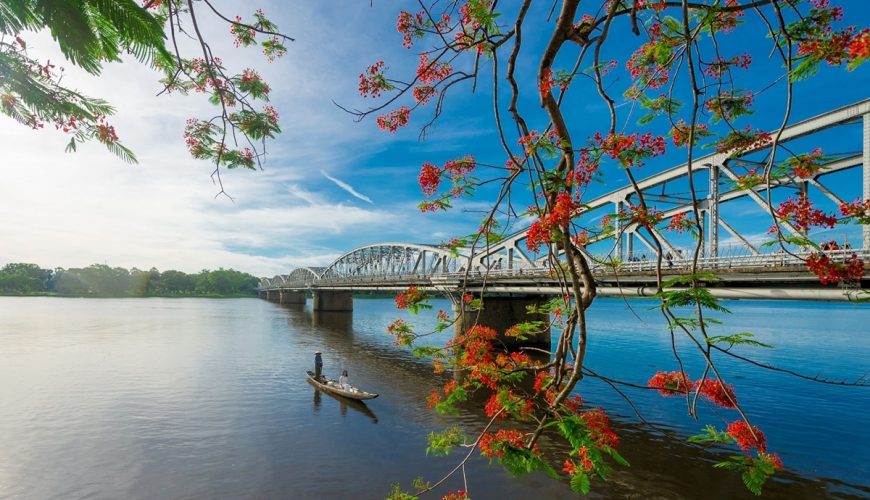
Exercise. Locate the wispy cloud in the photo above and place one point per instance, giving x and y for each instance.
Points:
(347, 187)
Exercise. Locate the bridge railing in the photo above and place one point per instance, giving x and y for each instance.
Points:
(769, 261)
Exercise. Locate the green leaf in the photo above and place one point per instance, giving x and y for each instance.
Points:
(690, 297)
(689, 279)
(441, 444)
(743, 338)
(520, 461)
(712, 436)
(580, 483)
(615, 456)
(574, 431)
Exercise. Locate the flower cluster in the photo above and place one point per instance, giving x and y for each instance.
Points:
(857, 210)
(728, 105)
(456, 170)
(719, 393)
(649, 65)
(430, 73)
(641, 215)
(402, 332)
(106, 133)
(534, 142)
(680, 133)
(833, 47)
(410, 26)
(456, 495)
(394, 120)
(829, 271)
(670, 383)
(859, 47)
(409, 298)
(540, 232)
(725, 21)
(747, 437)
(545, 83)
(372, 82)
(800, 213)
(630, 150)
(719, 66)
(423, 93)
(585, 170)
(494, 445)
(750, 179)
(598, 425)
(805, 165)
(430, 178)
(679, 223)
(243, 35)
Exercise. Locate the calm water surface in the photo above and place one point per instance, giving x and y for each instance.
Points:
(197, 398)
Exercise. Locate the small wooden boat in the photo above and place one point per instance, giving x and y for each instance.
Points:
(331, 386)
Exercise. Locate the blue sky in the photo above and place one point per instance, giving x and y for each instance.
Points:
(329, 184)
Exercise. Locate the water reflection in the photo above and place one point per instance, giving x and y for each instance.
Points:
(316, 401)
(359, 406)
(178, 398)
(334, 321)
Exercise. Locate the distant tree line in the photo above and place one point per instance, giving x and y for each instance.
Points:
(100, 280)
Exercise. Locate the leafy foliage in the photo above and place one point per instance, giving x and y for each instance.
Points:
(742, 338)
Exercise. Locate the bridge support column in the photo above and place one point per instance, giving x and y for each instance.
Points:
(713, 213)
(866, 190)
(288, 297)
(328, 300)
(617, 231)
(501, 313)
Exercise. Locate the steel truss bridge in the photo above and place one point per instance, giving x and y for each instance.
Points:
(747, 269)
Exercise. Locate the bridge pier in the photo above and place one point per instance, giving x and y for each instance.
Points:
(501, 313)
(330, 300)
(288, 297)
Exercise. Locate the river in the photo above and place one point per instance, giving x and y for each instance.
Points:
(204, 398)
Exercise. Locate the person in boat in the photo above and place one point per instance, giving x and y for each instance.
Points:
(343, 381)
(318, 365)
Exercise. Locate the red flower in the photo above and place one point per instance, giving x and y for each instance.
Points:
(493, 406)
(670, 383)
(429, 73)
(373, 81)
(829, 271)
(430, 178)
(545, 84)
(630, 150)
(434, 399)
(455, 495)
(860, 211)
(747, 437)
(717, 392)
(411, 297)
(598, 425)
(801, 214)
(679, 223)
(423, 93)
(859, 47)
(393, 120)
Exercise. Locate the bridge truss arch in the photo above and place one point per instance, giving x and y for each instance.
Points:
(394, 260)
(277, 281)
(303, 277)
